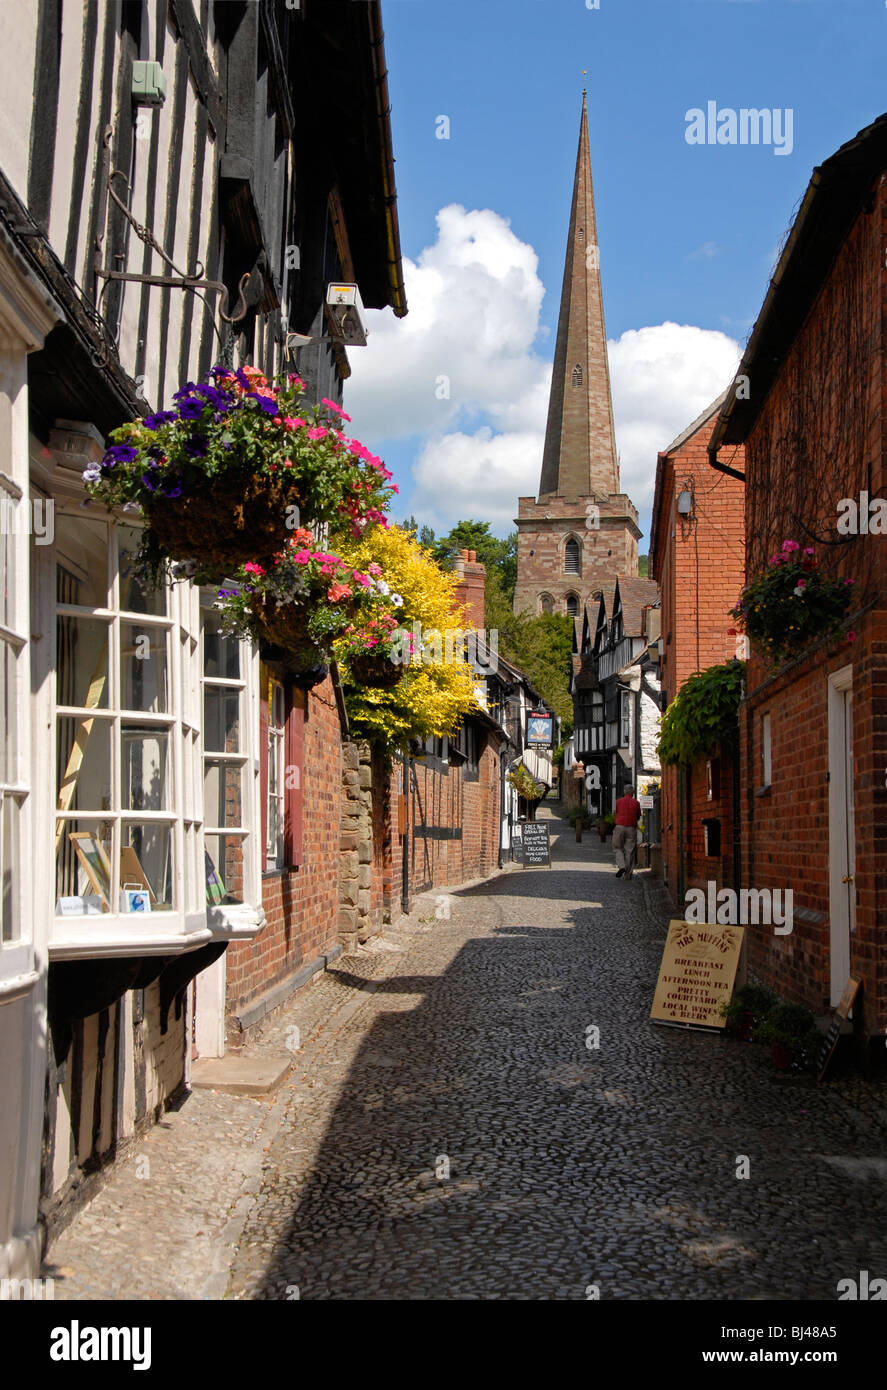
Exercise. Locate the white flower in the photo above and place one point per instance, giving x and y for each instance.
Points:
(382, 587)
(131, 507)
(395, 599)
(92, 473)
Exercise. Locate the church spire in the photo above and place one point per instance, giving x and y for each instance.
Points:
(579, 458)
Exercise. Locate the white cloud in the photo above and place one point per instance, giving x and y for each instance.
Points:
(475, 298)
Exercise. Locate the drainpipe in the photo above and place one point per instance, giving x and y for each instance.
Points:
(405, 846)
(682, 802)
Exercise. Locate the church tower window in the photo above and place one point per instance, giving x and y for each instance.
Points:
(572, 557)
(577, 375)
(572, 605)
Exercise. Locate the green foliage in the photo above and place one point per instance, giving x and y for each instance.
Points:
(525, 785)
(542, 647)
(498, 555)
(643, 567)
(704, 713)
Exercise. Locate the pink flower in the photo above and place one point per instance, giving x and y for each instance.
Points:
(374, 569)
(788, 546)
(809, 550)
(849, 581)
(295, 380)
(361, 579)
(302, 557)
(253, 568)
(851, 636)
(293, 422)
(317, 432)
(331, 405)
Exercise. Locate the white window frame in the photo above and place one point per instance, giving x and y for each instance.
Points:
(625, 719)
(184, 925)
(231, 921)
(17, 952)
(766, 751)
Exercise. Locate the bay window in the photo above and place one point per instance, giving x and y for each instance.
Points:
(155, 766)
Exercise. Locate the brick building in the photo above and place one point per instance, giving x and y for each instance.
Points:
(582, 530)
(813, 731)
(697, 556)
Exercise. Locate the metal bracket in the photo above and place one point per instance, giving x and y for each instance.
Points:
(195, 280)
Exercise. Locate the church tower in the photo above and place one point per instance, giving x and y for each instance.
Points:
(582, 530)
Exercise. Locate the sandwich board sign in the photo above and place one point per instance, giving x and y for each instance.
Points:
(697, 974)
(536, 847)
(842, 1012)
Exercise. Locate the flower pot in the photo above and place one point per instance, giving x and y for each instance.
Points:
(222, 522)
(295, 668)
(374, 669)
(746, 1027)
(579, 832)
(781, 1056)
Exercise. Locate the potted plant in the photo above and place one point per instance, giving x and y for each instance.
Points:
(376, 651)
(605, 825)
(225, 476)
(792, 603)
(791, 1031)
(748, 1009)
(578, 817)
(526, 787)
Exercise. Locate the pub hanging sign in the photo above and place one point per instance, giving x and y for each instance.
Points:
(539, 729)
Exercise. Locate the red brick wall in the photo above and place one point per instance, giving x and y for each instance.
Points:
(700, 569)
(301, 905)
(820, 438)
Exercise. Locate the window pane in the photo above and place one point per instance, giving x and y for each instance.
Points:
(145, 762)
(81, 662)
(221, 655)
(274, 853)
(223, 794)
(143, 656)
(81, 547)
(83, 764)
(146, 861)
(224, 869)
(135, 597)
(7, 575)
(221, 720)
(10, 869)
(8, 740)
(83, 868)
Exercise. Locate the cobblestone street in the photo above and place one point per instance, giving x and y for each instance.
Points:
(446, 1132)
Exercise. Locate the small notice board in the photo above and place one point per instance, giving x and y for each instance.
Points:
(842, 1013)
(697, 974)
(536, 847)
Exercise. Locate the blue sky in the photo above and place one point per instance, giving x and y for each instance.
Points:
(688, 233)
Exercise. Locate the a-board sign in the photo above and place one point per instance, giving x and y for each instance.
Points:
(841, 1014)
(697, 973)
(647, 802)
(536, 849)
(517, 844)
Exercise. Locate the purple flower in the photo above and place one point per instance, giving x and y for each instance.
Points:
(185, 390)
(162, 417)
(191, 409)
(175, 491)
(119, 453)
(269, 407)
(150, 483)
(197, 446)
(213, 396)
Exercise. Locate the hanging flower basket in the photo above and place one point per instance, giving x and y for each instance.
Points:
(298, 605)
(227, 474)
(792, 604)
(374, 669)
(376, 651)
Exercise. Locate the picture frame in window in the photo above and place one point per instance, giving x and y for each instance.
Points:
(94, 861)
(216, 892)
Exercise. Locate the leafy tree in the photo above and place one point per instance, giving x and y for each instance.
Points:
(542, 647)
(496, 554)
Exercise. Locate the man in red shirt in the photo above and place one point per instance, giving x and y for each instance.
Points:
(625, 832)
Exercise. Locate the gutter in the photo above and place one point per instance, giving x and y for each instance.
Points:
(397, 288)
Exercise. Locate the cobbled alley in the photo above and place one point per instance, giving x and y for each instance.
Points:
(450, 1130)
